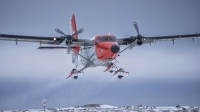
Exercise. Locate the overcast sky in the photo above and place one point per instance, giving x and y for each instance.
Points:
(162, 74)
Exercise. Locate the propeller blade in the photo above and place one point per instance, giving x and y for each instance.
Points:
(60, 32)
(78, 32)
(136, 27)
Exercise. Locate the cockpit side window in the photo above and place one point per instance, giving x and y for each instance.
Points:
(113, 39)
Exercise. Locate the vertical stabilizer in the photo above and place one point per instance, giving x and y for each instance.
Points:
(73, 26)
(76, 48)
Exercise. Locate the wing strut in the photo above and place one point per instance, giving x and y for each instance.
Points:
(16, 41)
(80, 55)
(125, 49)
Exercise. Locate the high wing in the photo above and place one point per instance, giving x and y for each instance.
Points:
(172, 38)
(139, 39)
(45, 40)
(134, 41)
(38, 39)
(147, 40)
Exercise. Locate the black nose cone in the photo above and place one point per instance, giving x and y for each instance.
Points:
(114, 49)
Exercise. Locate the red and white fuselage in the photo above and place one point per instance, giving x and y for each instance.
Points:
(104, 51)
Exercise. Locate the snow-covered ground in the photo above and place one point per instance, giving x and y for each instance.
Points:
(109, 108)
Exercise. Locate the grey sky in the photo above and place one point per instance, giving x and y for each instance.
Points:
(163, 74)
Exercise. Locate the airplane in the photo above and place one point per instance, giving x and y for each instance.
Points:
(101, 50)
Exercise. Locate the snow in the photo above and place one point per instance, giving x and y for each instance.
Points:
(109, 108)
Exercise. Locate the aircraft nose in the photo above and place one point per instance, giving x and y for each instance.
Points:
(114, 48)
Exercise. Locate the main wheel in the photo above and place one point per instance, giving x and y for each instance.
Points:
(120, 76)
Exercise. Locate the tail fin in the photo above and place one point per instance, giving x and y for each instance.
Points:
(76, 48)
(73, 26)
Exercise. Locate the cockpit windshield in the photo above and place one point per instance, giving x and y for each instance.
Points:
(104, 39)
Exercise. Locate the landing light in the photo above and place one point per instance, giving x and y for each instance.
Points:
(54, 38)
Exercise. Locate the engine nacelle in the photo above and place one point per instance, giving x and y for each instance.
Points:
(132, 39)
(139, 39)
(70, 42)
(69, 39)
(139, 43)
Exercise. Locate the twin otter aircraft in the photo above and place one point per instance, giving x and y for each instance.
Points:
(101, 50)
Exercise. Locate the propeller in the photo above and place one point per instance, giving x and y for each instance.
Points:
(78, 32)
(136, 27)
(59, 31)
(139, 37)
(69, 38)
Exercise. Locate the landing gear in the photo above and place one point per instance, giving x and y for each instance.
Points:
(75, 74)
(75, 77)
(111, 71)
(120, 76)
(119, 72)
